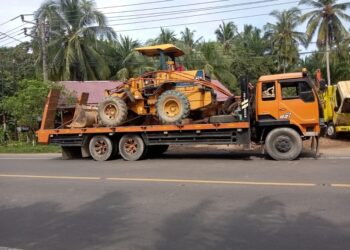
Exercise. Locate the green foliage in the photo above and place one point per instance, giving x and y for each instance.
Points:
(284, 38)
(22, 147)
(76, 27)
(225, 34)
(4, 136)
(28, 102)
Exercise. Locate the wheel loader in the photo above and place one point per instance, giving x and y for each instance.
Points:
(170, 95)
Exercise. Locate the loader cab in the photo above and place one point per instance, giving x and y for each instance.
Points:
(288, 100)
(163, 51)
(168, 53)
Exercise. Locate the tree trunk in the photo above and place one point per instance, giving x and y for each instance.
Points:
(44, 50)
(327, 59)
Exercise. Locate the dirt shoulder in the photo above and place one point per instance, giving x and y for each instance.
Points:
(328, 148)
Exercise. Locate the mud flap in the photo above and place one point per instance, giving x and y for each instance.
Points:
(315, 146)
(71, 152)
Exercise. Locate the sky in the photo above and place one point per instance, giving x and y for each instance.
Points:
(142, 19)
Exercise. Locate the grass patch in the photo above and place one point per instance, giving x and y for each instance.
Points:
(21, 147)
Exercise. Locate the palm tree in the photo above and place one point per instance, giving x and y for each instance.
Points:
(75, 29)
(166, 36)
(214, 61)
(131, 63)
(225, 34)
(284, 38)
(326, 20)
(187, 37)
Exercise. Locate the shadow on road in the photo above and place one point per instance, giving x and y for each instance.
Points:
(106, 223)
(44, 226)
(261, 225)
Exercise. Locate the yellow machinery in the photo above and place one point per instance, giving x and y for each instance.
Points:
(171, 94)
(336, 104)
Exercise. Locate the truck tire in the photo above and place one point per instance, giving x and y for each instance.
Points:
(283, 144)
(331, 131)
(132, 147)
(112, 111)
(172, 106)
(101, 148)
(156, 150)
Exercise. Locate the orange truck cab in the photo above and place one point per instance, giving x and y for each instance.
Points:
(285, 104)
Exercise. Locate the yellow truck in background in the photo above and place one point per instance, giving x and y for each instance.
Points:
(336, 105)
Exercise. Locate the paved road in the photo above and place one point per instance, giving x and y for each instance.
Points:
(181, 201)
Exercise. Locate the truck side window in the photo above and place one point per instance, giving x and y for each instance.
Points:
(290, 90)
(306, 93)
(268, 91)
(297, 90)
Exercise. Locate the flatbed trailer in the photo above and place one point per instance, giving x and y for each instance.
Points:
(282, 133)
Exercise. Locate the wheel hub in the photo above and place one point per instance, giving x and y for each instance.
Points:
(330, 130)
(172, 107)
(101, 147)
(111, 111)
(283, 144)
(131, 146)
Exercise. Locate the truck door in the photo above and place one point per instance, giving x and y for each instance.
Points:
(297, 102)
(267, 108)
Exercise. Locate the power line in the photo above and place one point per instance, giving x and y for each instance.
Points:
(198, 22)
(153, 14)
(12, 19)
(205, 14)
(4, 45)
(166, 7)
(16, 28)
(10, 37)
(134, 4)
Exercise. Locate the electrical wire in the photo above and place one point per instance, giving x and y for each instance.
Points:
(153, 14)
(12, 37)
(134, 4)
(198, 22)
(204, 14)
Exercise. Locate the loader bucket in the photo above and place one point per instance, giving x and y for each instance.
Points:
(84, 115)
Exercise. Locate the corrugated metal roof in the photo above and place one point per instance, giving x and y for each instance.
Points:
(95, 89)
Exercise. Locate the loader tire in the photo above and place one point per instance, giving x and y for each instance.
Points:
(283, 144)
(112, 111)
(172, 106)
(227, 104)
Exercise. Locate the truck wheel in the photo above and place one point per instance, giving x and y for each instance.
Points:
(101, 148)
(156, 150)
(132, 147)
(112, 111)
(172, 106)
(283, 144)
(331, 132)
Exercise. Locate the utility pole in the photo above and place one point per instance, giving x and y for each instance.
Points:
(42, 25)
(2, 96)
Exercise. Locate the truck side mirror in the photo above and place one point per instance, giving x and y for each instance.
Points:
(336, 109)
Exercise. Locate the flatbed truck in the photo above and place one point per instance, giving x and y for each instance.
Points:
(278, 113)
